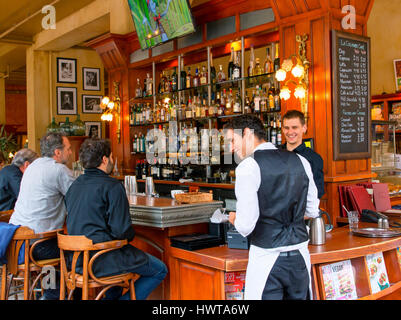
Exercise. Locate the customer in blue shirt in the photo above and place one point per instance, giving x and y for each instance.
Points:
(11, 175)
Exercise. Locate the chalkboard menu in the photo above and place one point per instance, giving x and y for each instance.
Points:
(351, 95)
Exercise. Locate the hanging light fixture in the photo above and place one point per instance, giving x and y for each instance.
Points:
(111, 108)
(298, 65)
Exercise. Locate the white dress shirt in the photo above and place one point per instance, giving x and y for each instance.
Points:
(261, 260)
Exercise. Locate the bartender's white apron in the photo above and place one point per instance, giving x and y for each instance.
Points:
(260, 263)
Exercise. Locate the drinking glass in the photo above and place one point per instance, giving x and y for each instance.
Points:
(353, 220)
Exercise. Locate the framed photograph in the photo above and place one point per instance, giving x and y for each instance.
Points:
(93, 129)
(66, 100)
(66, 70)
(91, 78)
(91, 104)
(397, 73)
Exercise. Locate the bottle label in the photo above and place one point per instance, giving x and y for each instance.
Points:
(237, 107)
(236, 73)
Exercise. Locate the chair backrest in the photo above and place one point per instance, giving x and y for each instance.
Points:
(5, 215)
(24, 235)
(78, 244)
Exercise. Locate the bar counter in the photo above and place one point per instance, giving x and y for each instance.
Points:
(156, 220)
(201, 274)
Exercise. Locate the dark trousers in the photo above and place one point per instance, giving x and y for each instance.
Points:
(288, 279)
(49, 250)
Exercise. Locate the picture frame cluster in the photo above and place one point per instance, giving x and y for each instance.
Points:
(67, 96)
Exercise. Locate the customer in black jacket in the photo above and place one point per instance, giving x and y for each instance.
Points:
(11, 175)
(98, 208)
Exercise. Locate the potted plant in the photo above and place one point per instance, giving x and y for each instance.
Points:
(7, 144)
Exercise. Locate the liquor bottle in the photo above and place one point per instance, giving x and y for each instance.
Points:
(257, 100)
(195, 80)
(149, 85)
(188, 110)
(269, 129)
(138, 114)
(189, 79)
(183, 74)
(268, 65)
(271, 98)
(237, 104)
(258, 69)
(279, 131)
(135, 144)
(145, 88)
(148, 113)
(138, 90)
(274, 133)
(212, 70)
(160, 89)
(221, 76)
(162, 113)
(131, 116)
(231, 65)
(247, 107)
(251, 66)
(203, 77)
(138, 169)
(174, 111)
(174, 80)
(236, 68)
(263, 102)
(167, 84)
(204, 109)
(212, 106)
(198, 107)
(277, 100)
(194, 107)
(229, 102)
(277, 58)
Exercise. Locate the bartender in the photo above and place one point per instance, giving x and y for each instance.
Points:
(294, 127)
(274, 190)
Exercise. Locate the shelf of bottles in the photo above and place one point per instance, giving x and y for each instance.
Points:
(200, 96)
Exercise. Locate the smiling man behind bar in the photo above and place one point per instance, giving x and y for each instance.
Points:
(274, 190)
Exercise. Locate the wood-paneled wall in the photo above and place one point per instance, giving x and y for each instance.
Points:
(292, 17)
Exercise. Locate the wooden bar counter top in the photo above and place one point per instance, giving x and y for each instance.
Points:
(210, 265)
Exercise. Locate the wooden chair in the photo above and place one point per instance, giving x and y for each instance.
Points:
(87, 280)
(5, 215)
(30, 267)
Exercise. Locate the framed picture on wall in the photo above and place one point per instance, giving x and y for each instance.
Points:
(91, 104)
(66, 70)
(93, 129)
(66, 100)
(91, 78)
(397, 73)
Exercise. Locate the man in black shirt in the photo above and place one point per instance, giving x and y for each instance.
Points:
(10, 178)
(293, 128)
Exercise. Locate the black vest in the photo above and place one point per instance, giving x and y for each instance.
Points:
(282, 199)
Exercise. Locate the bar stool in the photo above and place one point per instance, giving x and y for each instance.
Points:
(30, 267)
(87, 280)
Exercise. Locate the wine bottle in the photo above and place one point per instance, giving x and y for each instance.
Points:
(183, 74)
(189, 79)
(174, 80)
(277, 100)
(212, 70)
(251, 66)
(231, 65)
(277, 58)
(257, 101)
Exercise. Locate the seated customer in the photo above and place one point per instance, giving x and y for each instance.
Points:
(10, 178)
(98, 208)
(40, 204)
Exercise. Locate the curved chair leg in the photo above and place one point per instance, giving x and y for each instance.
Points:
(132, 289)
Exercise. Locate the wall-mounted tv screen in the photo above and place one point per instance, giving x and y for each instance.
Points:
(158, 21)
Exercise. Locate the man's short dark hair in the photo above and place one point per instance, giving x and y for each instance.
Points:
(292, 114)
(50, 142)
(250, 122)
(92, 151)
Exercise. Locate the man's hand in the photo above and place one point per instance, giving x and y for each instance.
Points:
(231, 217)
